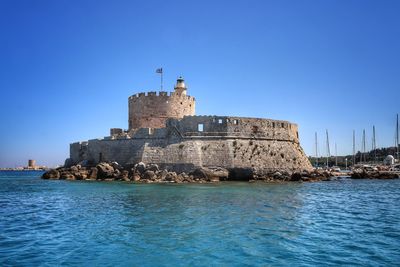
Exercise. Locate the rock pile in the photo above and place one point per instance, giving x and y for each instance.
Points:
(139, 173)
(364, 174)
(151, 173)
(303, 176)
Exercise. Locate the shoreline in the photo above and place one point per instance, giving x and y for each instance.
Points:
(152, 173)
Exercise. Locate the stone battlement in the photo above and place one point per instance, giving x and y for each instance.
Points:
(152, 109)
(159, 94)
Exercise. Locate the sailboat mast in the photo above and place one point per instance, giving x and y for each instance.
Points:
(316, 148)
(374, 142)
(328, 152)
(335, 154)
(363, 146)
(397, 136)
(354, 147)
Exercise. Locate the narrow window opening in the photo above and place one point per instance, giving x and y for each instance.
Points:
(235, 122)
(220, 121)
(200, 127)
(283, 125)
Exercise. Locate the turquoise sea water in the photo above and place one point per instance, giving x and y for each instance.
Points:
(52, 223)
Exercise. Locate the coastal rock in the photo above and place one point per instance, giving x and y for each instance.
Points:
(140, 167)
(171, 176)
(51, 174)
(92, 174)
(149, 175)
(208, 174)
(81, 174)
(136, 177)
(363, 174)
(124, 175)
(296, 176)
(67, 176)
(116, 174)
(116, 166)
(162, 175)
(104, 170)
(153, 168)
(74, 169)
(152, 173)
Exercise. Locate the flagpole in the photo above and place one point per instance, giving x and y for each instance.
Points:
(160, 71)
(162, 79)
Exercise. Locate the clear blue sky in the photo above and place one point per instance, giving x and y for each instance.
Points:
(68, 67)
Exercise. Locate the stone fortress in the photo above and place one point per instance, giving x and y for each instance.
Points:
(164, 130)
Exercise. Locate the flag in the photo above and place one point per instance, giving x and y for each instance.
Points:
(159, 70)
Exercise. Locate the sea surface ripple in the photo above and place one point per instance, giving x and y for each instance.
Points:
(64, 223)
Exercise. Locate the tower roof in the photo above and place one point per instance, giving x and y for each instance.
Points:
(180, 83)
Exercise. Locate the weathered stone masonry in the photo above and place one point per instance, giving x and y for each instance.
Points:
(160, 132)
(151, 110)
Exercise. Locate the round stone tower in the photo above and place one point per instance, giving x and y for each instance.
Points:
(151, 110)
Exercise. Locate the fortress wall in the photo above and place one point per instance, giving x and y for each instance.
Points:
(236, 126)
(225, 142)
(278, 155)
(262, 154)
(78, 151)
(123, 151)
(183, 156)
(152, 110)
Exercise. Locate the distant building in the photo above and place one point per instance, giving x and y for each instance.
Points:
(31, 164)
(389, 160)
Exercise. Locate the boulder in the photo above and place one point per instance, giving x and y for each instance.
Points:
(81, 174)
(124, 175)
(358, 174)
(116, 174)
(388, 175)
(140, 167)
(208, 174)
(74, 168)
(149, 175)
(180, 178)
(136, 177)
(162, 174)
(296, 176)
(67, 176)
(152, 167)
(92, 174)
(51, 174)
(116, 166)
(277, 176)
(104, 170)
(171, 176)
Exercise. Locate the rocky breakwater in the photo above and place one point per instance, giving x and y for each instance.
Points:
(374, 174)
(151, 173)
(139, 173)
